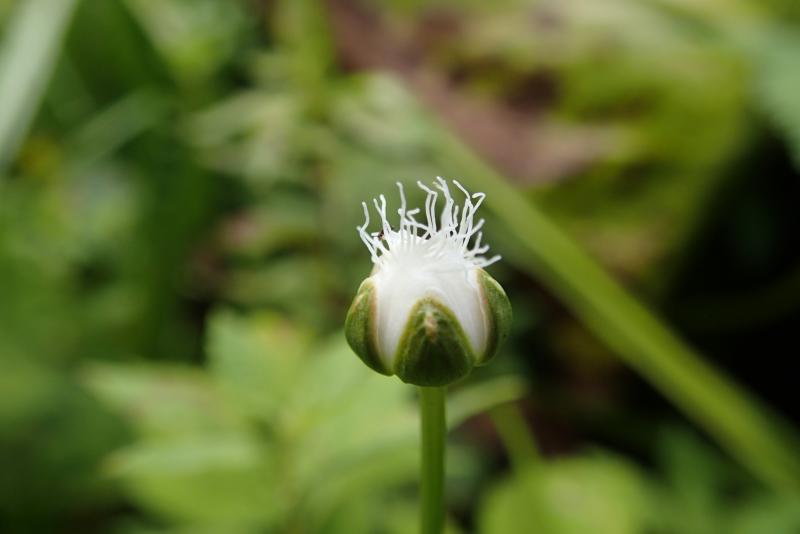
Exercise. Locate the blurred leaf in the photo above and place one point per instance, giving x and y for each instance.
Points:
(702, 495)
(257, 359)
(289, 431)
(373, 110)
(302, 33)
(778, 85)
(288, 284)
(196, 460)
(28, 55)
(165, 400)
(692, 501)
(109, 129)
(174, 457)
(767, 514)
(195, 37)
(286, 222)
(52, 437)
(481, 396)
(256, 135)
(585, 494)
(227, 481)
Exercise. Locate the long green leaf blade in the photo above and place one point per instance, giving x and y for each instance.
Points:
(726, 412)
(27, 58)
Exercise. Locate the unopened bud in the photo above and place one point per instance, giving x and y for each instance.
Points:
(428, 312)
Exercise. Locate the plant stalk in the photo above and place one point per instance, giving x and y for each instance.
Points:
(432, 410)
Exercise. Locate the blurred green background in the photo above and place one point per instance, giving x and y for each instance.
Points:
(180, 182)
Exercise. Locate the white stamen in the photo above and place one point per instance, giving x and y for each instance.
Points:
(444, 242)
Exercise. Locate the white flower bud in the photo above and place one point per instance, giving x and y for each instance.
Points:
(428, 312)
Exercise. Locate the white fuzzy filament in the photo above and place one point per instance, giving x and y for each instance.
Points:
(444, 242)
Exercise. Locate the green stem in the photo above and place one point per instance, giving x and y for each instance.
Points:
(432, 409)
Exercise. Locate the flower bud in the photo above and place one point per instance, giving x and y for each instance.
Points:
(428, 312)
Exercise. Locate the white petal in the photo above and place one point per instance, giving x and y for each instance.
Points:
(400, 286)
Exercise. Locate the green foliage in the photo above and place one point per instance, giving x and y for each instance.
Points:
(27, 58)
(51, 436)
(159, 159)
(593, 493)
(698, 495)
(194, 38)
(779, 83)
(601, 493)
(734, 418)
(694, 493)
(281, 432)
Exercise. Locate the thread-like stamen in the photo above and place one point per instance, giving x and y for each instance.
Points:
(443, 239)
(402, 211)
(430, 205)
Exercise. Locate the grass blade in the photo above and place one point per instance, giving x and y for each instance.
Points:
(727, 413)
(27, 58)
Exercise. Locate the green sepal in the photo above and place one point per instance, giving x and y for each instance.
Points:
(360, 328)
(500, 315)
(433, 350)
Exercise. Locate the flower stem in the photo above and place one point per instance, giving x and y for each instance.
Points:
(432, 408)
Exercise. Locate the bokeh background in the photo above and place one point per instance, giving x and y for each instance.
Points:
(180, 182)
